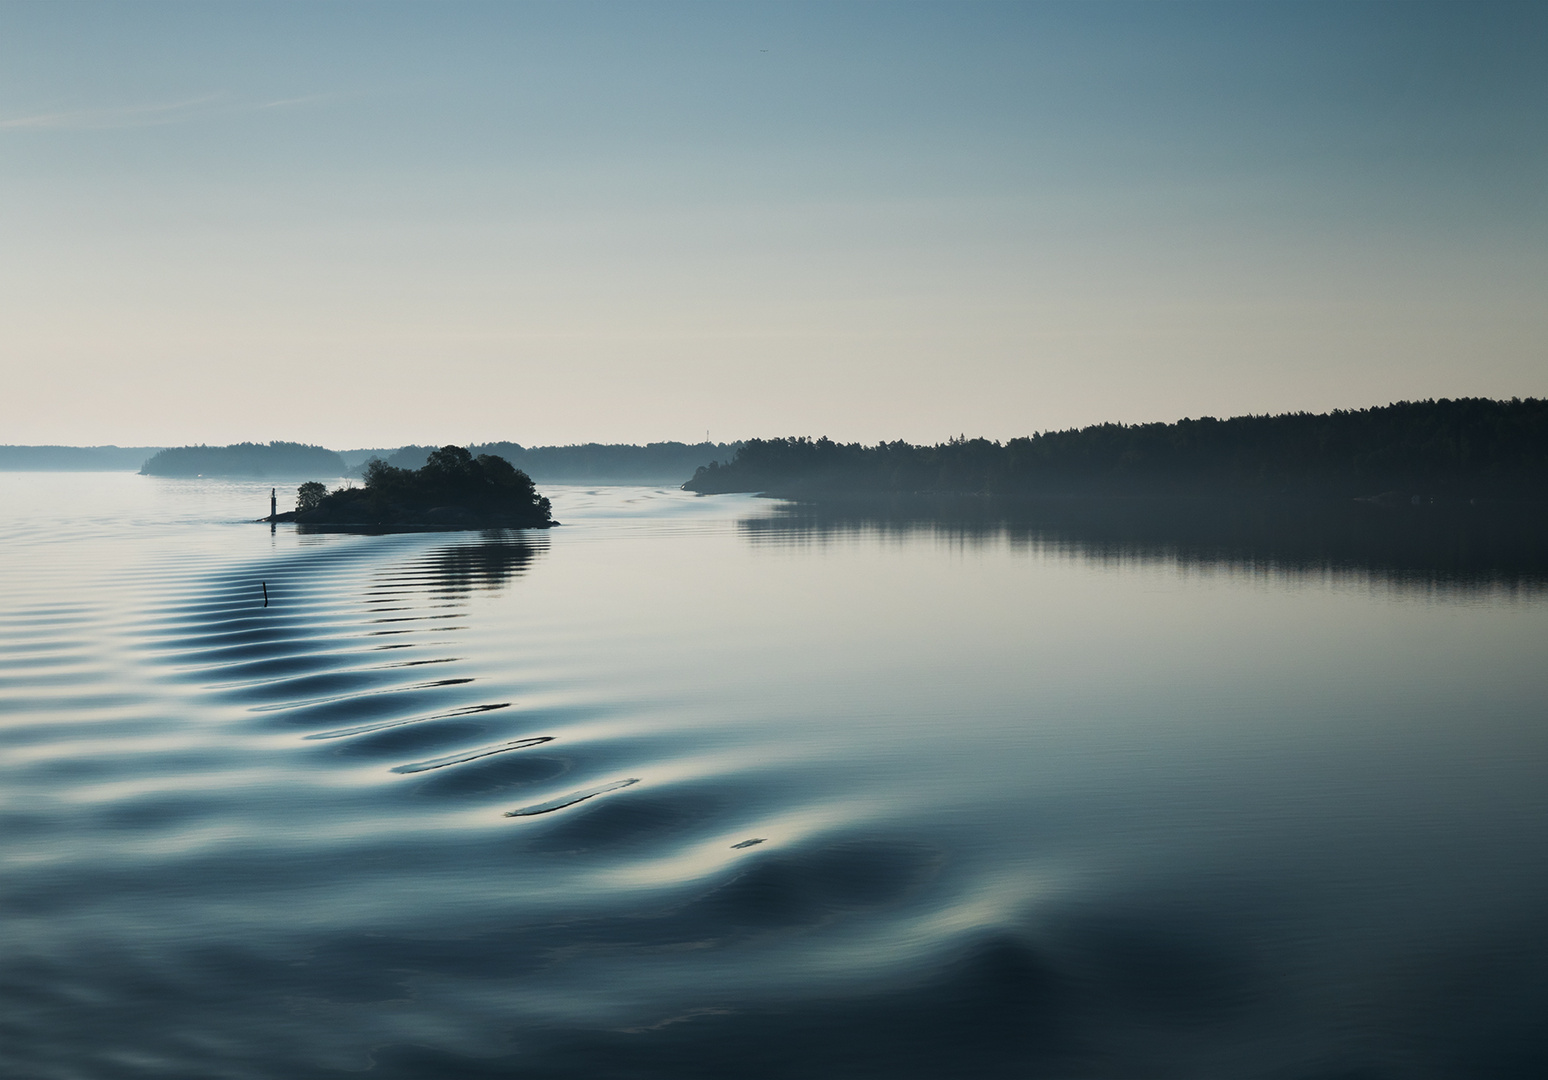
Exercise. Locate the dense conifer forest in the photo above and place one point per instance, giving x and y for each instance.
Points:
(1446, 450)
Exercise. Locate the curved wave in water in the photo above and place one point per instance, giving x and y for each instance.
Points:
(231, 820)
(658, 803)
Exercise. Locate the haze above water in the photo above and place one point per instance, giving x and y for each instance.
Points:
(710, 787)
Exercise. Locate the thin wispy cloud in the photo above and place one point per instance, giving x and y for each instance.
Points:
(129, 116)
(295, 102)
(152, 115)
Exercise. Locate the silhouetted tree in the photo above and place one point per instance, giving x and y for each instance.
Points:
(309, 496)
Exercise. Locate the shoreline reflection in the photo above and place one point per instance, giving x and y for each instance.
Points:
(487, 564)
(1463, 547)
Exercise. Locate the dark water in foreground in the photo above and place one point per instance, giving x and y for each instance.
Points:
(704, 787)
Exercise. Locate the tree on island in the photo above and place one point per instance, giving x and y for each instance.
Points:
(309, 496)
(453, 489)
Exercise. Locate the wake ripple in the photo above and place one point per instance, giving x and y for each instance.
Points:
(289, 642)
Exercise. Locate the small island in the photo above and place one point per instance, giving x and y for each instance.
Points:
(453, 490)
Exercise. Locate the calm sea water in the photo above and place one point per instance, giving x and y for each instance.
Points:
(710, 787)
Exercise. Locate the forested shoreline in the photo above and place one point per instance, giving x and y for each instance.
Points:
(1444, 450)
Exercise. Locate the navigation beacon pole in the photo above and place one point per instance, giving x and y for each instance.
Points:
(273, 504)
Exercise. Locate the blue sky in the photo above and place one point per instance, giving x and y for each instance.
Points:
(373, 224)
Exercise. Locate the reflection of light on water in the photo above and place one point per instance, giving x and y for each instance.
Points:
(1436, 552)
(707, 858)
(979, 782)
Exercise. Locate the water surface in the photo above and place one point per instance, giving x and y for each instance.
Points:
(703, 787)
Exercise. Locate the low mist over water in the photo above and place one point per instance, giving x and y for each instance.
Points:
(724, 786)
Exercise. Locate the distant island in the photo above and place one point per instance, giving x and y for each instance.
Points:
(664, 463)
(452, 490)
(1446, 450)
(74, 458)
(245, 459)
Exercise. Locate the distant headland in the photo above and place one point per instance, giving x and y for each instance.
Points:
(452, 490)
(1409, 452)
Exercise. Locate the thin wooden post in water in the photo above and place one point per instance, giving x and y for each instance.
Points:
(273, 504)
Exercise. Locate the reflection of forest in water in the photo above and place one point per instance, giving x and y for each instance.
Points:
(486, 563)
(1483, 545)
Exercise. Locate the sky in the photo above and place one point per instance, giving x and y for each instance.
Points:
(375, 224)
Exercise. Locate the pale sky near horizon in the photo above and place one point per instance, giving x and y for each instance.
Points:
(373, 224)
